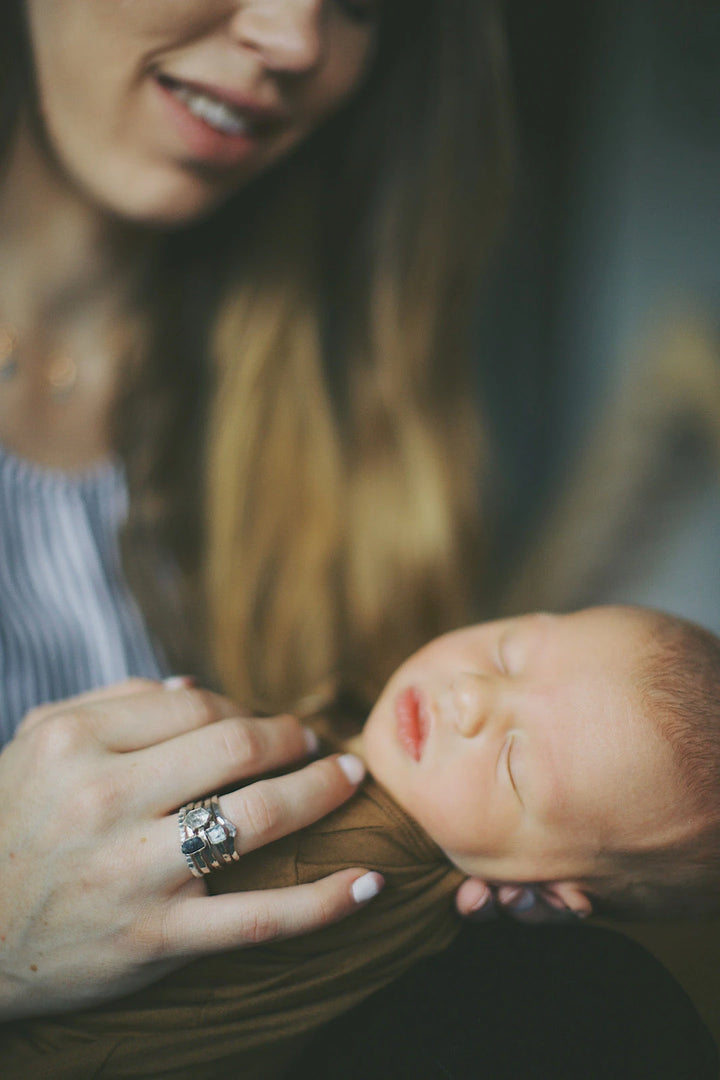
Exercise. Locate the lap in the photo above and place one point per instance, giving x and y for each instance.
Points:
(508, 1001)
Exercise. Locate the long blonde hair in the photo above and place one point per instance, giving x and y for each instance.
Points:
(301, 433)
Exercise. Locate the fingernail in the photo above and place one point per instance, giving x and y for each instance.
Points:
(177, 682)
(524, 901)
(484, 909)
(311, 740)
(353, 768)
(366, 887)
(508, 894)
(483, 902)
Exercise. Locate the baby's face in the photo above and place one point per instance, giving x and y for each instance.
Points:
(522, 748)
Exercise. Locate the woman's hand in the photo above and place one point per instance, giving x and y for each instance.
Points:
(96, 898)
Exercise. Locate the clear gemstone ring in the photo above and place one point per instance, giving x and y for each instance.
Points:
(207, 837)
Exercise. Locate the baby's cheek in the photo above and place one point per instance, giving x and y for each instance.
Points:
(376, 746)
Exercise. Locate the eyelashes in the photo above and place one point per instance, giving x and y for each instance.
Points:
(508, 765)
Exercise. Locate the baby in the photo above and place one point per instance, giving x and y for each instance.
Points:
(579, 753)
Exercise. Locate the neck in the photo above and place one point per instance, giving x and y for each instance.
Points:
(61, 256)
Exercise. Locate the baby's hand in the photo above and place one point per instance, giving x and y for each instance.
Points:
(479, 901)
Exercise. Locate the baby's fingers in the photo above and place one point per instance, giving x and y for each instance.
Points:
(475, 900)
(529, 905)
(479, 901)
(197, 925)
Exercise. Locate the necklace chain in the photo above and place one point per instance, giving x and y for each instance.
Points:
(60, 373)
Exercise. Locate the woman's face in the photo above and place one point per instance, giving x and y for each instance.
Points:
(158, 109)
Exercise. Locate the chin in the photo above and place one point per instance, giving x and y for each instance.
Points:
(372, 741)
(156, 198)
(164, 210)
(382, 756)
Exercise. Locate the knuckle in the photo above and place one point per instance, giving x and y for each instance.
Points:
(60, 736)
(261, 811)
(199, 703)
(31, 718)
(259, 924)
(149, 938)
(96, 802)
(325, 907)
(242, 744)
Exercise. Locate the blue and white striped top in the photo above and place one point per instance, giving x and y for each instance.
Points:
(68, 622)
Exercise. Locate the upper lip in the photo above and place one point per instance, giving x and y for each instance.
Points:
(251, 107)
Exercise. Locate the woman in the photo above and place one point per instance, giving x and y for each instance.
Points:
(227, 258)
(238, 241)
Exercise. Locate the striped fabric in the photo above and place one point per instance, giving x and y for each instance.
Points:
(68, 622)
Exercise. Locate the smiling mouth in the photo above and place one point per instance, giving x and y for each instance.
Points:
(412, 723)
(221, 116)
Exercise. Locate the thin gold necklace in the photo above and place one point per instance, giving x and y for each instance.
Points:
(60, 372)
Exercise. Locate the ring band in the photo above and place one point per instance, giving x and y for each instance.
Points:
(207, 837)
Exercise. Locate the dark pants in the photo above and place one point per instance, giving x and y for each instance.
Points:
(512, 1002)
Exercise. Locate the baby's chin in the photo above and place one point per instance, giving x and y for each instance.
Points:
(370, 741)
(377, 746)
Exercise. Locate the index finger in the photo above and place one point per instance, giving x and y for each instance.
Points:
(138, 721)
(104, 693)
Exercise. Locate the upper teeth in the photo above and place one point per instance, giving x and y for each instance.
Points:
(218, 114)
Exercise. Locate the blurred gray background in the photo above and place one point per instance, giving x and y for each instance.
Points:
(611, 265)
(599, 351)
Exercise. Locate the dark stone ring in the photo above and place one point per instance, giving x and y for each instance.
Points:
(207, 837)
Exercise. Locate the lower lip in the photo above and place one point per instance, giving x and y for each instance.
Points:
(206, 145)
(412, 725)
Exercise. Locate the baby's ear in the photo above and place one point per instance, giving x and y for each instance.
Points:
(567, 896)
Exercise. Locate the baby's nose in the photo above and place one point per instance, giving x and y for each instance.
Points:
(471, 695)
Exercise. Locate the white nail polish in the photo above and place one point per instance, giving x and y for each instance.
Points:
(176, 682)
(311, 741)
(353, 768)
(366, 887)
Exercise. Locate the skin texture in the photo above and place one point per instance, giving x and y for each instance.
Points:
(89, 840)
(109, 126)
(88, 833)
(538, 760)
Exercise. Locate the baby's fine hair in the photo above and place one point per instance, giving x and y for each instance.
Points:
(680, 689)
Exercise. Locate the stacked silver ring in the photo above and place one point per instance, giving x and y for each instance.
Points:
(207, 838)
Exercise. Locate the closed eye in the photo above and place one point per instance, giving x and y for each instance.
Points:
(508, 765)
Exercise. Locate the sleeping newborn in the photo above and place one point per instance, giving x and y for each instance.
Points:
(579, 753)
